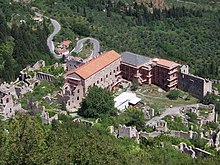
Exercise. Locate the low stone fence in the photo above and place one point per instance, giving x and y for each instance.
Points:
(209, 107)
(193, 152)
(45, 77)
(86, 122)
(181, 134)
(216, 81)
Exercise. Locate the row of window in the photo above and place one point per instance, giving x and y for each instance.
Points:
(106, 76)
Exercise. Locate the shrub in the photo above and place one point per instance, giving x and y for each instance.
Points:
(173, 94)
(192, 116)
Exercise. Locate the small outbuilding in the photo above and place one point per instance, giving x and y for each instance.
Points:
(125, 99)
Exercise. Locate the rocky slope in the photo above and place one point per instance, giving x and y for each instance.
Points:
(159, 4)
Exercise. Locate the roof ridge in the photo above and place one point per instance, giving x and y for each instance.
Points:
(99, 65)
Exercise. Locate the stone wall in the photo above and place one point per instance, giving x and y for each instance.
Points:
(130, 132)
(86, 122)
(187, 135)
(37, 65)
(45, 77)
(196, 86)
(161, 126)
(46, 119)
(7, 106)
(193, 152)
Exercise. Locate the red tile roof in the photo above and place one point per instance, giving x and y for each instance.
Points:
(66, 43)
(60, 51)
(166, 63)
(93, 66)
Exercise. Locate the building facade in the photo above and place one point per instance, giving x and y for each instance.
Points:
(165, 73)
(160, 72)
(135, 67)
(103, 71)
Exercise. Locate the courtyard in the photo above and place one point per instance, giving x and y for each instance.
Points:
(156, 98)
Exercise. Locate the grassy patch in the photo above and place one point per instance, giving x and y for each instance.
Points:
(55, 71)
(216, 87)
(175, 123)
(156, 98)
(86, 51)
(39, 92)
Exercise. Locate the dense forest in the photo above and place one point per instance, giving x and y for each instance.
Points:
(22, 41)
(25, 141)
(184, 33)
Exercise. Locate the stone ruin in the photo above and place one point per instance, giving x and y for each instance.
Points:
(46, 119)
(193, 152)
(196, 86)
(161, 126)
(86, 122)
(214, 139)
(148, 112)
(36, 66)
(211, 115)
(130, 132)
(44, 76)
(8, 106)
(181, 134)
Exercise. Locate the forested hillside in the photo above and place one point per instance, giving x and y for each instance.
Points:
(185, 32)
(22, 41)
(25, 141)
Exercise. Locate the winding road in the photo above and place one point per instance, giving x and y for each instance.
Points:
(50, 43)
(79, 45)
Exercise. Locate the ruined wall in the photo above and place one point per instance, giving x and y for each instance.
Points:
(129, 132)
(45, 77)
(7, 106)
(73, 64)
(196, 86)
(186, 135)
(46, 119)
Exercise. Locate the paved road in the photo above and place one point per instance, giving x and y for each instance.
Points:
(50, 43)
(168, 111)
(79, 45)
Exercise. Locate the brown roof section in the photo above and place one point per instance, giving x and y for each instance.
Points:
(60, 51)
(66, 43)
(166, 63)
(96, 64)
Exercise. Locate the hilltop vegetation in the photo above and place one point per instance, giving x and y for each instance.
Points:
(25, 141)
(22, 41)
(184, 31)
(185, 34)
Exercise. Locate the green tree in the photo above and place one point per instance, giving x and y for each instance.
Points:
(136, 119)
(24, 141)
(97, 103)
(134, 85)
(192, 116)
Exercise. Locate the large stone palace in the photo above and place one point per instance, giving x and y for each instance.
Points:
(110, 68)
(103, 71)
